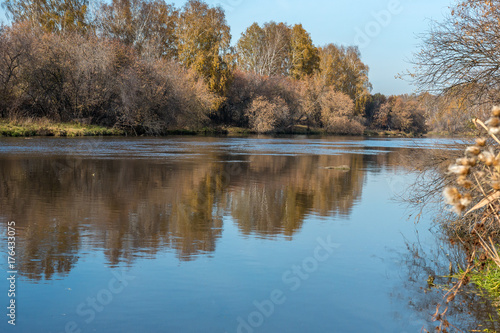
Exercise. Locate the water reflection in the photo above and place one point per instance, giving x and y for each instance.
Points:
(441, 260)
(223, 223)
(64, 206)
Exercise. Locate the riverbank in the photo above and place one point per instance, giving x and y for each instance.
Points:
(26, 128)
(43, 127)
(487, 281)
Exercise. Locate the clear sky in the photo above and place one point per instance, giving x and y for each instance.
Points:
(386, 43)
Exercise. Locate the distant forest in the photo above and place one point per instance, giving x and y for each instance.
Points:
(147, 67)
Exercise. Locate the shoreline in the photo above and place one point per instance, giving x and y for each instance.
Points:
(44, 128)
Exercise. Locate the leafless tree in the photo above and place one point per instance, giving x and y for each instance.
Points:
(460, 55)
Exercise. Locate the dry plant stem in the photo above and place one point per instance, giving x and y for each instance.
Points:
(490, 203)
(450, 295)
(490, 249)
(477, 121)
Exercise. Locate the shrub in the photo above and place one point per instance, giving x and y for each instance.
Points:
(402, 113)
(247, 88)
(66, 77)
(268, 115)
(337, 114)
(345, 126)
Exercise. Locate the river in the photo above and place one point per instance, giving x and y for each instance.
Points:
(204, 234)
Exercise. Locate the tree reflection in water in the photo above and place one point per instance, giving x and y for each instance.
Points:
(131, 208)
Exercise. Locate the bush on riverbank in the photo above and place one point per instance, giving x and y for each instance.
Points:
(474, 196)
(101, 82)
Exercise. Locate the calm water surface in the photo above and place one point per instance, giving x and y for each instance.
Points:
(214, 235)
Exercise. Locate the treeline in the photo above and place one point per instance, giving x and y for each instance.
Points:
(148, 67)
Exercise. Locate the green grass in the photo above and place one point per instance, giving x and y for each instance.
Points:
(20, 128)
(488, 282)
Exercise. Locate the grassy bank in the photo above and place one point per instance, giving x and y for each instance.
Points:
(44, 127)
(487, 280)
(20, 128)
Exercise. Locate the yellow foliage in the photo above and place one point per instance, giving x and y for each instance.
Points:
(204, 44)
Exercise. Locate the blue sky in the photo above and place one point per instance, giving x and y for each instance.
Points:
(387, 45)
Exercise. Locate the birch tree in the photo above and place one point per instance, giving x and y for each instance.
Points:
(147, 25)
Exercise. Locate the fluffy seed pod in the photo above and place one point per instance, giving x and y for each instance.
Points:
(493, 122)
(464, 182)
(494, 130)
(466, 200)
(451, 195)
(496, 111)
(458, 209)
(460, 170)
(481, 142)
(488, 158)
(496, 185)
(473, 150)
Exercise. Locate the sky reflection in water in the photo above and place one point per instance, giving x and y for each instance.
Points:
(203, 234)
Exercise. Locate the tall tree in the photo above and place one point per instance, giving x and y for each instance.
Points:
(250, 50)
(147, 25)
(342, 68)
(304, 55)
(266, 50)
(51, 15)
(460, 54)
(204, 44)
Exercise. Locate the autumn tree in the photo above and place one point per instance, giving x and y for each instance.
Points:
(147, 25)
(447, 113)
(51, 15)
(304, 55)
(311, 92)
(204, 38)
(341, 67)
(250, 50)
(268, 115)
(14, 46)
(72, 77)
(338, 113)
(373, 105)
(277, 49)
(402, 113)
(265, 50)
(460, 54)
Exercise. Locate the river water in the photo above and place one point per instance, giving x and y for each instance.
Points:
(196, 234)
